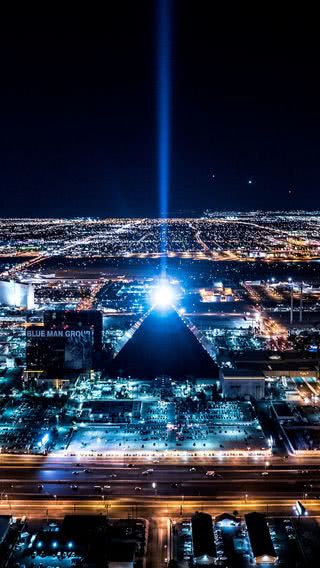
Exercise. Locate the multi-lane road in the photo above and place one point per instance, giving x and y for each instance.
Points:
(28, 477)
(50, 487)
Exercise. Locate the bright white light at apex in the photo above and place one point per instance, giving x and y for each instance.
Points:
(163, 295)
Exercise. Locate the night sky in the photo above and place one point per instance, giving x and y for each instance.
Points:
(78, 112)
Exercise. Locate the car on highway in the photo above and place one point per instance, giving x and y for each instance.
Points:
(73, 486)
(192, 469)
(137, 489)
(113, 475)
(148, 471)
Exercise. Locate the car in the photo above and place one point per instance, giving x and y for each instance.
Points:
(74, 486)
(75, 472)
(137, 489)
(176, 484)
(107, 487)
(130, 464)
(113, 475)
(210, 473)
(40, 486)
(87, 470)
(192, 469)
(264, 473)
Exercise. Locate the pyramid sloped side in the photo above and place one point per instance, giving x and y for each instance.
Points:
(163, 345)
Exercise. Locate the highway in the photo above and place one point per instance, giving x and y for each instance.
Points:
(28, 477)
(43, 487)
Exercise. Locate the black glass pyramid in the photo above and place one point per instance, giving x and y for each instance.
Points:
(163, 345)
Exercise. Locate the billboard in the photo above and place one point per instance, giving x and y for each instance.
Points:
(59, 349)
(68, 339)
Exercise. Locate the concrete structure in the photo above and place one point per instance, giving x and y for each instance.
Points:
(16, 294)
(239, 384)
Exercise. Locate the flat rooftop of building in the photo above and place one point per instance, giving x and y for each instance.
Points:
(278, 366)
(78, 528)
(242, 373)
(102, 406)
(219, 439)
(272, 356)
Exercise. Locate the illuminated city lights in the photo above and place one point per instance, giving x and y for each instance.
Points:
(159, 308)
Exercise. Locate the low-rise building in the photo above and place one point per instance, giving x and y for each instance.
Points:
(204, 550)
(239, 384)
(260, 539)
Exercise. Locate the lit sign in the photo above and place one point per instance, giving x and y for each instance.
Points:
(59, 333)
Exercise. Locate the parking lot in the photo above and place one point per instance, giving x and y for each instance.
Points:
(139, 439)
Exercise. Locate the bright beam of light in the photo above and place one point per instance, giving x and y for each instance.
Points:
(163, 295)
(163, 116)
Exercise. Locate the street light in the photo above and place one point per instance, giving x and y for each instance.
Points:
(181, 506)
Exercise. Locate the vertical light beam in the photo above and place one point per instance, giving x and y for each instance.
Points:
(163, 118)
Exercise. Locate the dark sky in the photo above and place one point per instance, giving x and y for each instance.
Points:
(78, 128)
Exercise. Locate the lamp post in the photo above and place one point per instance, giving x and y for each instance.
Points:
(181, 505)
